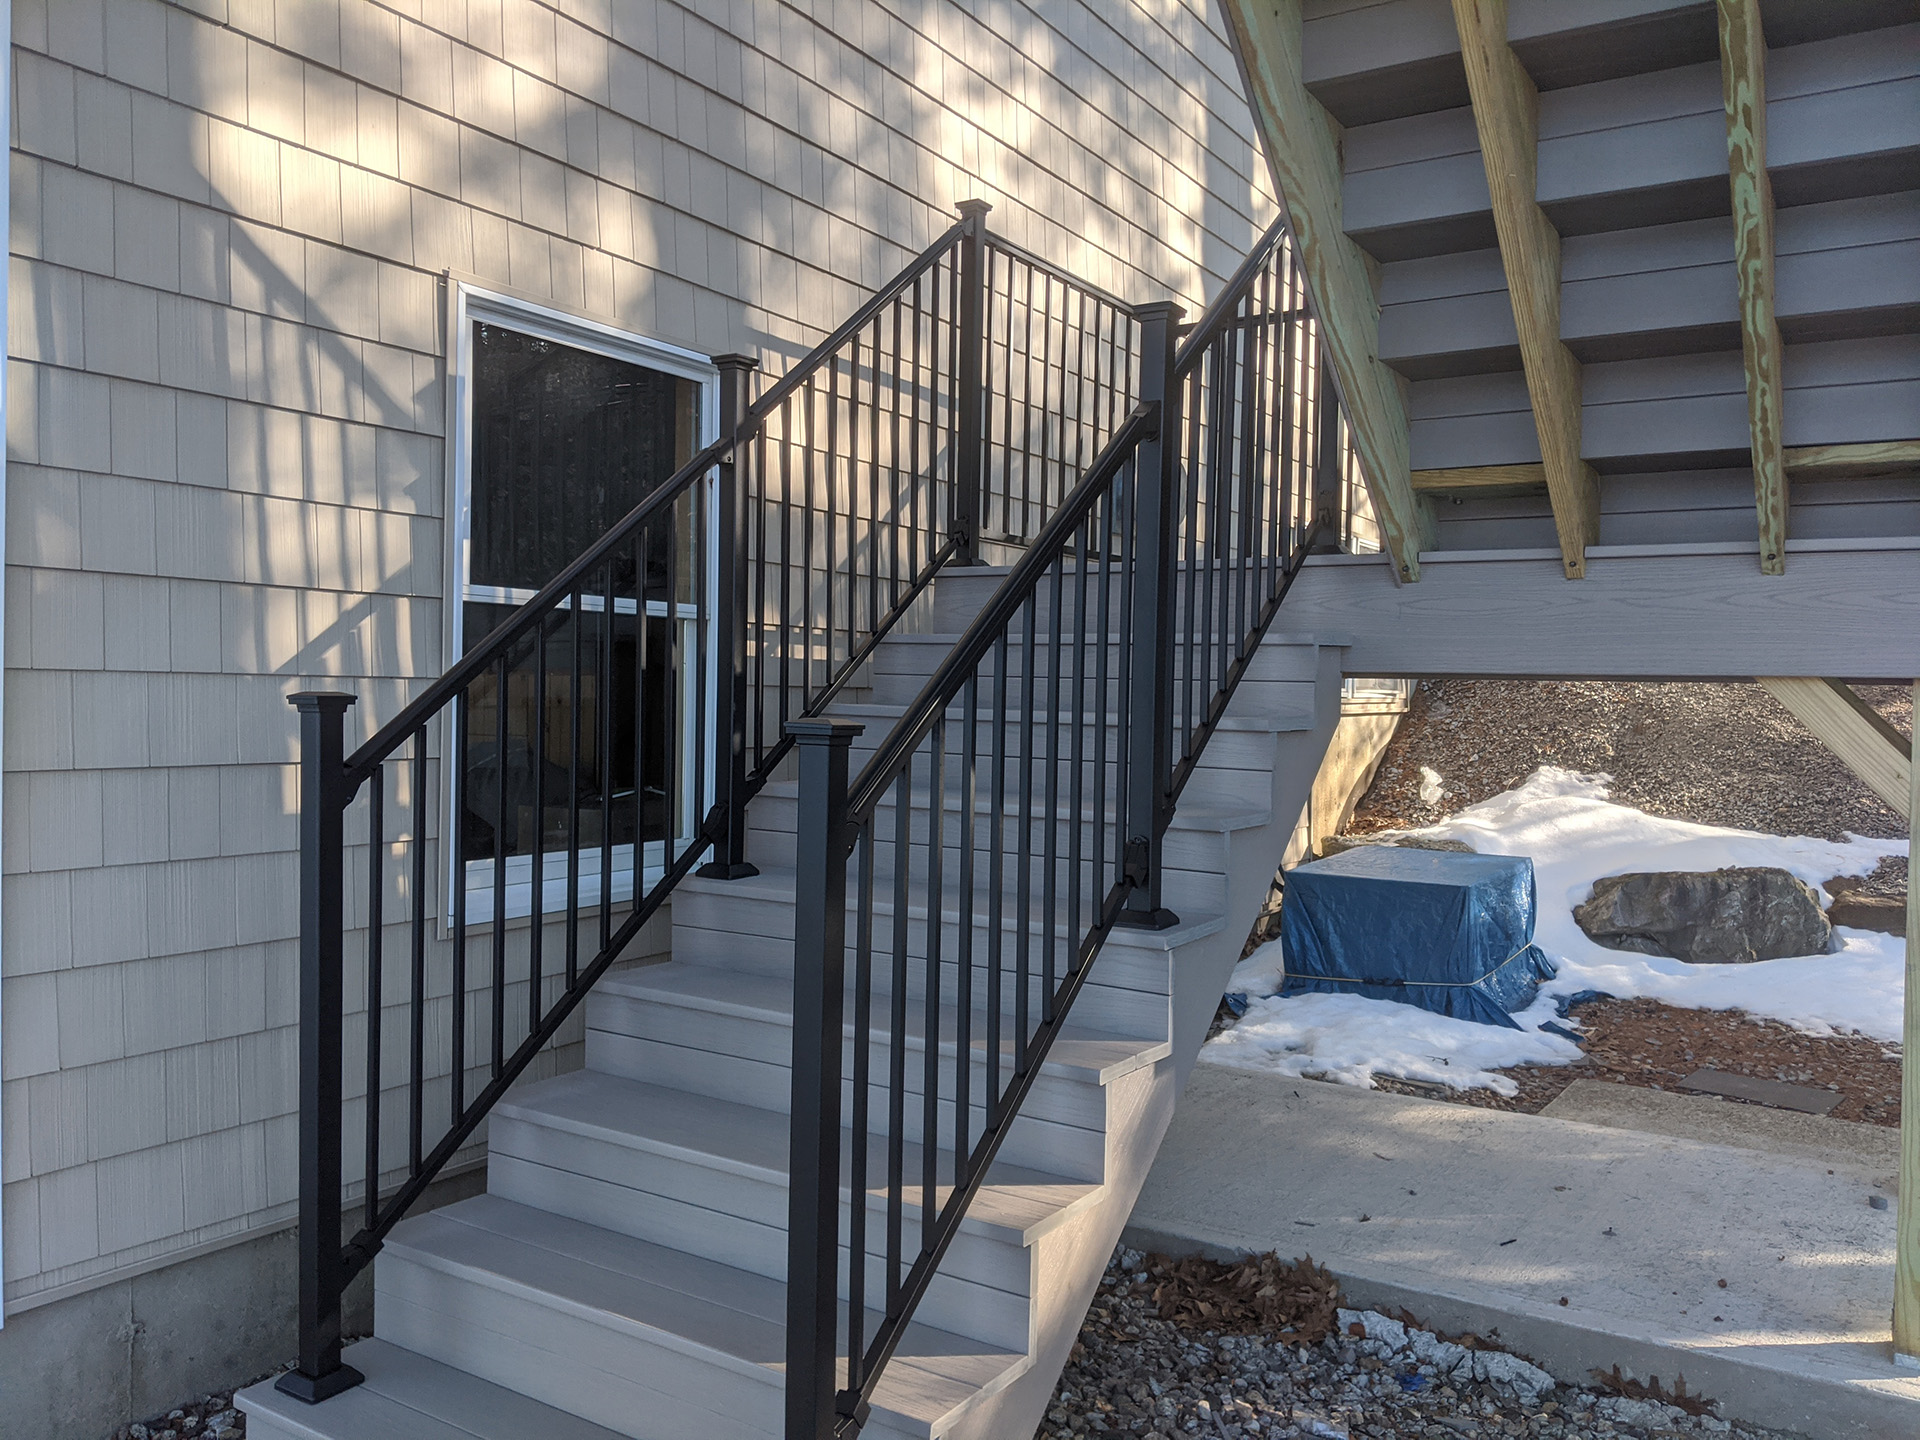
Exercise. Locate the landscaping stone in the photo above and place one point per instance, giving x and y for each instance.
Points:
(1713, 917)
(1372, 1377)
(1869, 912)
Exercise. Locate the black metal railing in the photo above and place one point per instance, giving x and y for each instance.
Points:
(502, 840)
(953, 897)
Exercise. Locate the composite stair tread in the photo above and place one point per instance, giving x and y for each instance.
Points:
(754, 1143)
(701, 1308)
(1094, 1054)
(778, 883)
(408, 1396)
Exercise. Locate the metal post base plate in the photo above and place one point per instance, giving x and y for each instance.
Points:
(721, 870)
(302, 1387)
(1162, 919)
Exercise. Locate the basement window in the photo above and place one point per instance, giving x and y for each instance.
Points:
(563, 427)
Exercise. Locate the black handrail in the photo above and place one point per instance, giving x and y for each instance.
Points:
(1184, 535)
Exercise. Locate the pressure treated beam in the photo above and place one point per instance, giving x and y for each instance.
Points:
(1302, 145)
(1883, 757)
(1849, 462)
(1506, 113)
(1743, 83)
(1479, 479)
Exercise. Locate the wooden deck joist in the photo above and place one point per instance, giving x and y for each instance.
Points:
(1301, 142)
(1743, 67)
(1506, 115)
(1480, 480)
(1852, 462)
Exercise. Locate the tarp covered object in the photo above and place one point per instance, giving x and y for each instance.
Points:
(1449, 932)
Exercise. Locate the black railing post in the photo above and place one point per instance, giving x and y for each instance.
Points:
(969, 461)
(1149, 696)
(324, 794)
(729, 860)
(819, 971)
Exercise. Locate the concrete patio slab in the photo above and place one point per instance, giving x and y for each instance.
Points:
(1580, 1246)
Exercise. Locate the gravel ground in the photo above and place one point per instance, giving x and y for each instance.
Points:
(211, 1416)
(1135, 1372)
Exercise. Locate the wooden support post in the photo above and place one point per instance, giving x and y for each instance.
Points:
(1879, 754)
(1883, 757)
(1743, 82)
(1506, 114)
(1906, 1255)
(1302, 144)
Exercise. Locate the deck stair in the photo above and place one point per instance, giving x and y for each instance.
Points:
(1116, 725)
(623, 1274)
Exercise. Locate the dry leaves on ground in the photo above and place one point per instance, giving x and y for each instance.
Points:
(1258, 1295)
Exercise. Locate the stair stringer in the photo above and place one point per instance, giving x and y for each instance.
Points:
(1070, 1260)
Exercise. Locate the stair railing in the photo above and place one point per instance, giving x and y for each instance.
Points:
(537, 803)
(952, 898)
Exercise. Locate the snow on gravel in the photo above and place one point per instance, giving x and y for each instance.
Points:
(1576, 835)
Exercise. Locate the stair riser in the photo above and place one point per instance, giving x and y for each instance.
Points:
(981, 1290)
(613, 1377)
(1060, 1092)
(1104, 1004)
(1050, 1132)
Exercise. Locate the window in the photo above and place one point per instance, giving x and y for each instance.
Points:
(563, 428)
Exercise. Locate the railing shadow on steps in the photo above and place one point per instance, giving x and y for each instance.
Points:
(538, 802)
(951, 899)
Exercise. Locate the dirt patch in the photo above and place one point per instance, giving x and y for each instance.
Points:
(1642, 1042)
(1714, 754)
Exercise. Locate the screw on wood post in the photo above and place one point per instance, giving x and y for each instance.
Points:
(324, 793)
(729, 861)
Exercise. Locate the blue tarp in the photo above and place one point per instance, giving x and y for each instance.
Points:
(1449, 932)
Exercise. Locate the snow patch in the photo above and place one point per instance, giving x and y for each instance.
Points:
(1575, 835)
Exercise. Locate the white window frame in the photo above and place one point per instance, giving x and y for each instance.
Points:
(470, 304)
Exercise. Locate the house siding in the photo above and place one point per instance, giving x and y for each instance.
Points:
(226, 472)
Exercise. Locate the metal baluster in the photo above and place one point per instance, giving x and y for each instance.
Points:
(416, 1039)
(603, 742)
(1023, 877)
(996, 875)
(963, 951)
(574, 707)
(459, 881)
(930, 1083)
(862, 1119)
(537, 902)
(1050, 848)
(498, 1018)
(897, 1036)
(376, 912)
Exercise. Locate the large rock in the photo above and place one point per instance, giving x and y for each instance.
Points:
(1714, 917)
